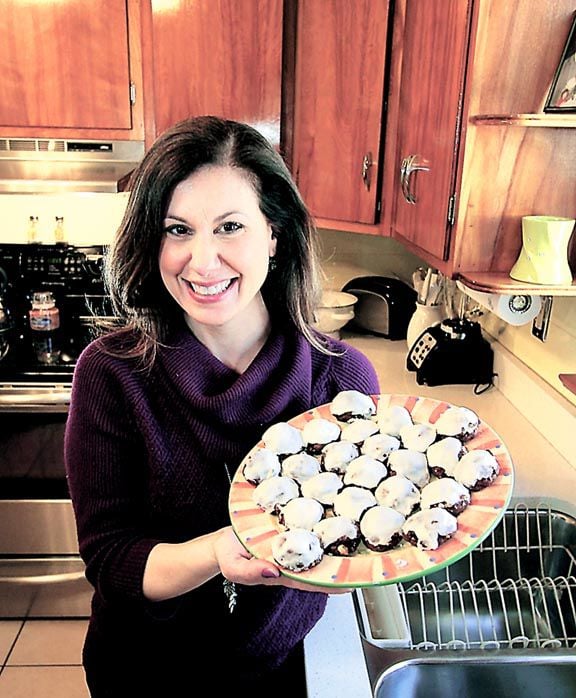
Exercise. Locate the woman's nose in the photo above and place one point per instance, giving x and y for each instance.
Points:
(204, 254)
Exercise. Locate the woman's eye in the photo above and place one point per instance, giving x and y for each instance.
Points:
(229, 227)
(176, 230)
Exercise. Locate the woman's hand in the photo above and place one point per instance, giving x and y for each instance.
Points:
(238, 565)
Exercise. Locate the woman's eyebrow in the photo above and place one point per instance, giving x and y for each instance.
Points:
(219, 218)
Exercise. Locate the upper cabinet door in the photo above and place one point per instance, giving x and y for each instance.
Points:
(434, 49)
(339, 84)
(64, 65)
(218, 57)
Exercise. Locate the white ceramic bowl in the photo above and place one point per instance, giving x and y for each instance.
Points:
(336, 308)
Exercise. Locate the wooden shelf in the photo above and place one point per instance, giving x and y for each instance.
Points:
(542, 120)
(500, 282)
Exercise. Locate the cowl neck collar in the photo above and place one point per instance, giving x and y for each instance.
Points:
(277, 382)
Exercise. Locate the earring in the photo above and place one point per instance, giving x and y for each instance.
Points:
(271, 264)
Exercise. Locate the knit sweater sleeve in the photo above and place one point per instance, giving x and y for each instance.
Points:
(348, 369)
(105, 464)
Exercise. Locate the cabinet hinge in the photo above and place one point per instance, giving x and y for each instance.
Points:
(132, 93)
(451, 209)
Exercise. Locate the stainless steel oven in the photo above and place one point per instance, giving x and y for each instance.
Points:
(41, 573)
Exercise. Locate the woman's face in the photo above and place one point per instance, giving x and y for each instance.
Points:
(215, 249)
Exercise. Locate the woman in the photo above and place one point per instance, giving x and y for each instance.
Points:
(213, 272)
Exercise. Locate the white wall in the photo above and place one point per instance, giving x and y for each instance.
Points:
(89, 218)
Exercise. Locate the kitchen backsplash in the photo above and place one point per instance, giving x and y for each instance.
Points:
(346, 255)
(89, 218)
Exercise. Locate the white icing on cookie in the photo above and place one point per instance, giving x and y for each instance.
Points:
(323, 487)
(392, 418)
(260, 465)
(297, 549)
(474, 466)
(445, 454)
(272, 493)
(380, 446)
(283, 438)
(353, 502)
(301, 512)
(430, 526)
(417, 437)
(398, 492)
(300, 467)
(337, 455)
(411, 464)
(354, 403)
(365, 471)
(380, 524)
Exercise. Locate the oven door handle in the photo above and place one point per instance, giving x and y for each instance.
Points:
(43, 579)
(30, 399)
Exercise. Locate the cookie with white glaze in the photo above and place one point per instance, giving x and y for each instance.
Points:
(274, 492)
(260, 465)
(443, 456)
(381, 528)
(446, 493)
(365, 471)
(411, 464)
(339, 535)
(477, 469)
(283, 439)
(323, 487)
(353, 501)
(318, 432)
(461, 422)
(336, 456)
(427, 529)
(358, 431)
(297, 549)
(352, 404)
(400, 493)
(417, 437)
(301, 512)
(392, 418)
(380, 446)
(300, 466)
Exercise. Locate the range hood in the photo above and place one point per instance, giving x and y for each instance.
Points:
(47, 165)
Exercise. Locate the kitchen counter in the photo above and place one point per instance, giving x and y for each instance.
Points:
(334, 660)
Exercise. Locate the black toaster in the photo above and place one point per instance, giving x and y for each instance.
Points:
(385, 305)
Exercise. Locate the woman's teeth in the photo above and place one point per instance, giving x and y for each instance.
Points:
(211, 290)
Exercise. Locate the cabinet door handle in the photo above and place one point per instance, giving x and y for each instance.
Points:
(411, 164)
(366, 165)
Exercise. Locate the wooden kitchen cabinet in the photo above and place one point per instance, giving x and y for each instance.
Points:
(507, 158)
(340, 64)
(218, 57)
(70, 69)
(421, 162)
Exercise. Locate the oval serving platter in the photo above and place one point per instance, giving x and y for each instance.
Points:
(256, 528)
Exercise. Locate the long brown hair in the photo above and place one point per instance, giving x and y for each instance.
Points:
(138, 294)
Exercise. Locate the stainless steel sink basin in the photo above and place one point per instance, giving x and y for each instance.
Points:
(501, 621)
(526, 675)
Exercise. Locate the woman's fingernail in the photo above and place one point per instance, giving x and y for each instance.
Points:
(270, 573)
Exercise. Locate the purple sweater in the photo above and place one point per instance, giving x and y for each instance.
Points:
(145, 456)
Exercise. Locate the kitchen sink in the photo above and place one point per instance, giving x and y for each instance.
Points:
(502, 619)
(526, 675)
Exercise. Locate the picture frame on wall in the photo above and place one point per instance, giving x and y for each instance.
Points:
(562, 95)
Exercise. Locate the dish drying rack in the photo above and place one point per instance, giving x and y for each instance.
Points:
(517, 589)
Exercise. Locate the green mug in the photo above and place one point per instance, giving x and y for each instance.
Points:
(543, 258)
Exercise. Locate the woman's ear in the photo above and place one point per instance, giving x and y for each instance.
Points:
(273, 242)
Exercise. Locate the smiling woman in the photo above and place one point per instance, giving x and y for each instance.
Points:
(216, 346)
